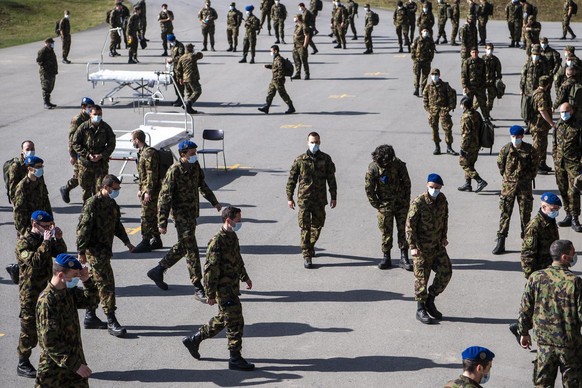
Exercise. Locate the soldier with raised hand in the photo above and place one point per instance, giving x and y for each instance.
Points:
(48, 70)
(426, 233)
(207, 16)
(18, 170)
(514, 17)
(223, 271)
(477, 364)
(177, 49)
(278, 16)
(134, 34)
(252, 26)
(277, 83)
(387, 186)
(542, 122)
(568, 12)
(265, 9)
(301, 38)
(180, 194)
(400, 19)
(492, 74)
(34, 252)
(352, 14)
(471, 122)
(550, 305)
(468, 38)
(439, 105)
(443, 16)
(188, 75)
(422, 54)
(166, 18)
(473, 79)
(234, 19)
(312, 170)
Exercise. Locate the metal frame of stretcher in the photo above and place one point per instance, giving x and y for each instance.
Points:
(152, 123)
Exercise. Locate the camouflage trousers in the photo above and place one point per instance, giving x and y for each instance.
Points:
(164, 35)
(193, 91)
(565, 181)
(250, 42)
(300, 56)
(386, 218)
(133, 47)
(482, 29)
(103, 279)
(491, 96)
(279, 27)
(179, 89)
(540, 144)
(28, 338)
(442, 33)
(436, 260)
(551, 358)
(47, 84)
(186, 246)
(514, 27)
(232, 35)
(230, 316)
(266, 15)
(566, 27)
(208, 32)
(311, 220)
(411, 28)
(278, 86)
(441, 114)
(352, 20)
(90, 177)
(454, 31)
(402, 30)
(66, 42)
(478, 93)
(467, 163)
(368, 38)
(340, 34)
(59, 377)
(506, 201)
(149, 218)
(74, 181)
(421, 71)
(115, 40)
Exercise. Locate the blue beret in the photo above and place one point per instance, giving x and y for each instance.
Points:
(435, 178)
(477, 353)
(186, 145)
(68, 261)
(32, 160)
(249, 8)
(171, 37)
(551, 199)
(516, 130)
(41, 215)
(87, 101)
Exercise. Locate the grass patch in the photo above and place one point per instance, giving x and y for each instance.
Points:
(28, 21)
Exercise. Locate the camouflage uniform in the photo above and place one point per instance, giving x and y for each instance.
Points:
(388, 190)
(30, 196)
(177, 51)
(65, 29)
(133, 30)
(265, 8)
(426, 20)
(422, 53)
(207, 16)
(492, 74)
(148, 163)
(187, 71)
(532, 34)
(75, 122)
(553, 60)
(180, 194)
(352, 13)
(309, 21)
(400, 19)
(233, 21)
(567, 153)
(166, 27)
(278, 16)
(59, 336)
(99, 222)
(426, 230)
(16, 172)
(438, 106)
(252, 25)
(47, 60)
(514, 17)
(563, 93)
(473, 79)
(560, 75)
(482, 20)
(455, 17)
(530, 75)
(93, 139)
(566, 16)
(311, 172)
(468, 38)
(539, 235)
(463, 382)
(471, 122)
(527, 12)
(300, 52)
(340, 25)
(411, 8)
(143, 20)
(539, 126)
(368, 29)
(442, 21)
(278, 82)
(223, 271)
(115, 21)
(551, 306)
(518, 169)
(34, 256)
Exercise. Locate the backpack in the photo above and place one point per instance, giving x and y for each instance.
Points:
(488, 9)
(288, 67)
(108, 16)
(5, 170)
(319, 5)
(486, 134)
(451, 96)
(575, 99)
(375, 18)
(574, 8)
(165, 162)
(57, 29)
(500, 87)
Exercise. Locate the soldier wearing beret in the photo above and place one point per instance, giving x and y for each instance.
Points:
(542, 122)
(477, 363)
(252, 26)
(471, 122)
(47, 60)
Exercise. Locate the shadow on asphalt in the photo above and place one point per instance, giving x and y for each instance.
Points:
(480, 320)
(493, 265)
(323, 296)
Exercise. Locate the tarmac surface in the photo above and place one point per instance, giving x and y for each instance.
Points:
(343, 323)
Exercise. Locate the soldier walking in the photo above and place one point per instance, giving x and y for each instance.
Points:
(188, 75)
(309, 20)
(252, 26)
(400, 19)
(134, 34)
(566, 16)
(455, 16)
(265, 9)
(473, 79)
(47, 60)
(438, 102)
(301, 39)
(340, 21)
(352, 14)
(177, 49)
(485, 10)
(207, 16)
(492, 75)
(234, 19)
(471, 122)
(277, 83)
(422, 54)
(411, 8)
(443, 16)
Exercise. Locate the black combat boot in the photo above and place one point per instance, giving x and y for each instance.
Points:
(243, 60)
(229, 48)
(164, 54)
(400, 49)
(415, 93)
(451, 151)
(25, 368)
(431, 308)
(143, 246)
(437, 149)
(177, 103)
(576, 224)
(422, 315)
(252, 60)
(65, 194)
(47, 104)
(404, 261)
(296, 76)
(234, 49)
(199, 293)
(157, 275)
(481, 184)
(513, 328)
(567, 221)
(500, 246)
(205, 48)
(156, 243)
(445, 41)
(237, 362)
(307, 262)
(92, 321)
(437, 41)
(386, 261)
(14, 272)
(467, 186)
(290, 110)
(190, 110)
(131, 60)
(264, 109)
(113, 327)
(192, 343)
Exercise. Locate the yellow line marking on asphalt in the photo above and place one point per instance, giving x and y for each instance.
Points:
(400, 56)
(341, 96)
(132, 231)
(377, 73)
(2, 334)
(300, 125)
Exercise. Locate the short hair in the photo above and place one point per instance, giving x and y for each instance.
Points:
(471, 365)
(489, 44)
(59, 268)
(299, 17)
(109, 180)
(96, 108)
(275, 47)
(302, 5)
(24, 142)
(190, 47)
(165, 5)
(67, 12)
(314, 134)
(559, 248)
(230, 212)
(139, 135)
(383, 154)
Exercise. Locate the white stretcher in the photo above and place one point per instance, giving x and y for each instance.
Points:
(162, 130)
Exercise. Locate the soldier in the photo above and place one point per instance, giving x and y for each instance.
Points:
(472, 9)
(207, 16)
(514, 17)
(65, 33)
(166, 18)
(477, 363)
(516, 162)
(566, 16)
(148, 167)
(542, 122)
(485, 10)
(387, 186)
(47, 60)
(426, 233)
(352, 13)
(301, 39)
(369, 28)
(84, 115)
(570, 60)
(99, 223)
(528, 10)
(62, 362)
(567, 153)
(180, 193)
(18, 170)
(552, 56)
(313, 8)
(468, 38)
(177, 50)
(563, 94)
(309, 20)
(455, 17)
(340, 24)
(400, 19)
(312, 170)
(443, 16)
(252, 26)
(143, 20)
(134, 34)
(438, 104)
(534, 68)
(278, 16)
(473, 79)
(94, 142)
(277, 83)
(411, 8)
(125, 14)
(426, 20)
(115, 22)
(471, 122)
(34, 252)
(531, 33)
(265, 8)
(188, 75)
(551, 306)
(492, 74)
(223, 272)
(422, 54)
(234, 19)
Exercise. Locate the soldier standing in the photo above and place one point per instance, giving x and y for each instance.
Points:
(18, 170)
(99, 223)
(455, 17)
(166, 18)
(528, 10)
(352, 13)
(563, 93)
(400, 19)
(438, 104)
(278, 16)
(223, 271)
(134, 34)
(387, 186)
(301, 39)
(566, 16)
(426, 233)
(553, 59)
(34, 252)
(422, 54)
(471, 122)
(207, 16)
(516, 163)
(312, 170)
(477, 363)
(265, 9)
(65, 33)
(570, 60)
(492, 74)
(313, 8)
(234, 19)
(426, 20)
(180, 193)
(542, 122)
(277, 83)
(177, 50)
(340, 21)
(532, 33)
(468, 38)
(47, 60)
(443, 16)
(411, 8)
(514, 17)
(369, 28)
(115, 21)
(551, 306)
(485, 10)
(252, 26)
(309, 20)
(125, 15)
(188, 75)
(143, 20)
(473, 79)
(532, 71)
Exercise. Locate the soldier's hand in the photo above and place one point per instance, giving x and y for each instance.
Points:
(130, 247)
(415, 252)
(84, 275)
(249, 284)
(218, 207)
(332, 203)
(291, 204)
(163, 230)
(97, 157)
(82, 258)
(84, 371)
(445, 242)
(211, 301)
(58, 232)
(72, 161)
(47, 234)
(147, 198)
(525, 341)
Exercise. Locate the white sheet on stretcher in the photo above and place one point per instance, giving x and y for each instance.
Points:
(159, 137)
(129, 76)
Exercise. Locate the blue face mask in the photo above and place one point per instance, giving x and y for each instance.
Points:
(193, 159)
(29, 153)
(72, 283)
(553, 214)
(38, 172)
(574, 260)
(96, 119)
(485, 378)
(237, 227)
(114, 194)
(313, 147)
(565, 116)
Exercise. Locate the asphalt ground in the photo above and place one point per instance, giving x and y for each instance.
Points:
(343, 323)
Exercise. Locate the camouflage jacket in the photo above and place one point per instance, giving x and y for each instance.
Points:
(436, 96)
(208, 16)
(167, 26)
(463, 382)
(252, 25)
(224, 268)
(551, 306)
(234, 18)
(180, 193)
(481, 12)
(425, 20)
(422, 49)
(456, 13)
(492, 69)
(29, 197)
(474, 73)
(443, 13)
(148, 163)
(75, 122)
(567, 145)
(473, 10)
(531, 73)
(566, 9)
(278, 69)
(301, 31)
(553, 58)
(540, 233)
(563, 93)
(516, 165)
(308, 18)
(99, 222)
(116, 18)
(533, 34)
(468, 36)
(266, 5)
(187, 67)
(369, 24)
(47, 60)
(400, 17)
(340, 16)
(16, 172)
(134, 25)
(427, 222)
(177, 51)
(352, 9)
(278, 12)
(411, 8)
(513, 12)
(388, 186)
(541, 101)
(471, 122)
(89, 139)
(312, 172)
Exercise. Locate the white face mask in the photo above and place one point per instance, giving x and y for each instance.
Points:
(488, 52)
(96, 119)
(38, 172)
(425, 10)
(544, 46)
(434, 78)
(425, 34)
(516, 141)
(52, 45)
(535, 57)
(248, 13)
(28, 153)
(568, 63)
(294, 20)
(66, 16)
(433, 192)
(232, 8)
(313, 147)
